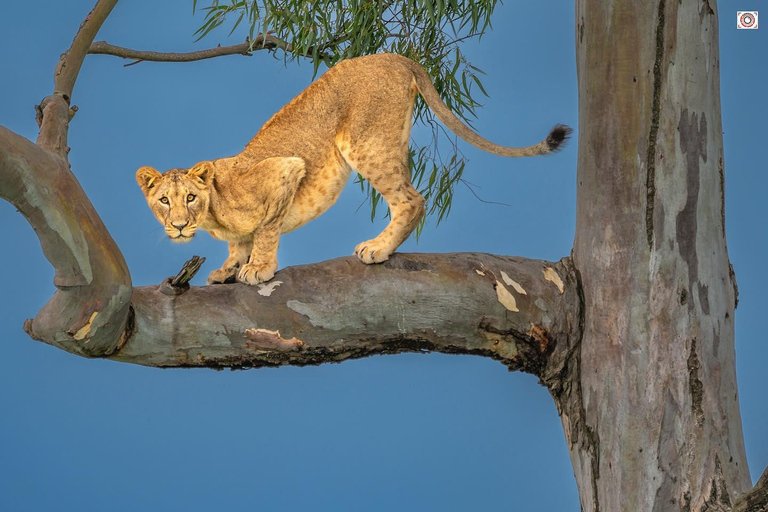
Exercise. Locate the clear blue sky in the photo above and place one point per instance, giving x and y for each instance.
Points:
(408, 432)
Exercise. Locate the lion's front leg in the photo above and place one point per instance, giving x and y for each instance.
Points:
(262, 264)
(274, 181)
(238, 256)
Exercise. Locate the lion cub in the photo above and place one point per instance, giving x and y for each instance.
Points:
(355, 116)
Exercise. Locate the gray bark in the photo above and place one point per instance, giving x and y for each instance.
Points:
(653, 423)
(342, 309)
(87, 314)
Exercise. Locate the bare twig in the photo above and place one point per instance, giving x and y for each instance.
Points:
(469, 187)
(261, 42)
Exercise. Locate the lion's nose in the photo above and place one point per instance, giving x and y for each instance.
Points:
(180, 224)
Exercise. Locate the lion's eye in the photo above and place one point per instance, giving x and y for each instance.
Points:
(164, 200)
(190, 198)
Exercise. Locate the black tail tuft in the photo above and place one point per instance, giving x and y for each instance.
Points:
(558, 137)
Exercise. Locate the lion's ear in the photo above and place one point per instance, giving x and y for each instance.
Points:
(147, 177)
(202, 171)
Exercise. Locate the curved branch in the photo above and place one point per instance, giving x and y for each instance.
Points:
(509, 309)
(53, 112)
(71, 60)
(88, 312)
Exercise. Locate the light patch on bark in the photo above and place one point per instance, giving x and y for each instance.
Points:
(551, 275)
(514, 284)
(480, 272)
(75, 241)
(266, 289)
(505, 297)
(263, 339)
(84, 330)
(323, 316)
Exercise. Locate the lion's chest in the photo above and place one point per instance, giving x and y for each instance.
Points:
(222, 231)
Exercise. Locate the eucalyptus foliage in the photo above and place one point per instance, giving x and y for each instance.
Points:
(429, 32)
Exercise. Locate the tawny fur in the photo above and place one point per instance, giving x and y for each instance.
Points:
(356, 116)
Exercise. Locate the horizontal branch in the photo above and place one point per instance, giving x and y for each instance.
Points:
(261, 42)
(510, 309)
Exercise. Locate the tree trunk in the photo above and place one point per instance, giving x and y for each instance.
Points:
(652, 419)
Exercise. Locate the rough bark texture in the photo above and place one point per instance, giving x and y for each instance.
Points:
(653, 423)
(755, 500)
(510, 309)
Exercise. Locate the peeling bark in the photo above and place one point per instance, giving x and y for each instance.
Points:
(412, 303)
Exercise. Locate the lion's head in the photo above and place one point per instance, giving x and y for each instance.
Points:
(179, 198)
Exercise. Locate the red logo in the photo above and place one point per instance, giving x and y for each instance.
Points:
(746, 19)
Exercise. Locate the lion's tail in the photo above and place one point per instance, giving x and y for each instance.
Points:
(554, 141)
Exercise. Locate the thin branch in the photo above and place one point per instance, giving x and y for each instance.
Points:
(71, 60)
(470, 185)
(54, 113)
(261, 42)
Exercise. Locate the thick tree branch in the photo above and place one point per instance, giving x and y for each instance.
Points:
(88, 312)
(53, 112)
(513, 310)
(755, 500)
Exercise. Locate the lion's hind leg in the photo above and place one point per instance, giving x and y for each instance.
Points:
(391, 178)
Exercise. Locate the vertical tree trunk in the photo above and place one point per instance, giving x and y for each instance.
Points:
(653, 419)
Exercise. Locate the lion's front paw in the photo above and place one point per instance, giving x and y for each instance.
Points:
(254, 273)
(372, 251)
(222, 275)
